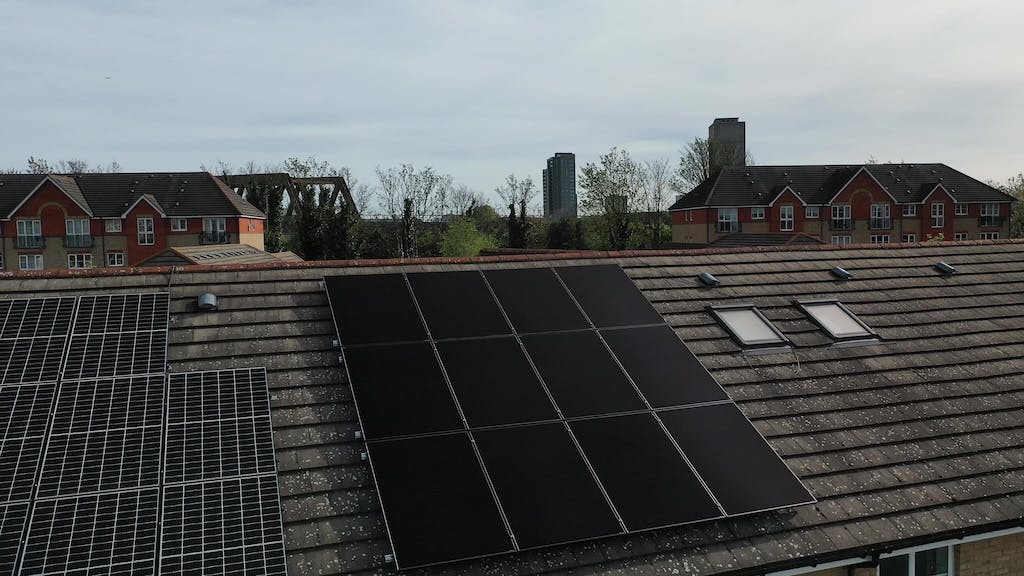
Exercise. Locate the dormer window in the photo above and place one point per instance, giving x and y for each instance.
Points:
(748, 327)
(836, 320)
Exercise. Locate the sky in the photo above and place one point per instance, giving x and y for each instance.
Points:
(480, 90)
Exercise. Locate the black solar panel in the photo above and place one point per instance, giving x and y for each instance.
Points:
(562, 439)
(116, 354)
(122, 313)
(212, 449)
(24, 410)
(109, 403)
(36, 317)
(93, 534)
(106, 460)
(12, 524)
(27, 360)
(19, 460)
(358, 323)
(223, 527)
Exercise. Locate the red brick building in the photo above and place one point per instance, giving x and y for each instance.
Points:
(50, 221)
(876, 203)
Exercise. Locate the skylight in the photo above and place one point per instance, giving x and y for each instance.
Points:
(748, 326)
(837, 320)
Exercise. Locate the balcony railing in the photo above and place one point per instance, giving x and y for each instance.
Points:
(990, 222)
(78, 241)
(213, 238)
(28, 242)
(881, 223)
(840, 224)
(727, 226)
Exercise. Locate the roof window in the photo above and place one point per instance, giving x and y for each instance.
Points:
(748, 326)
(837, 320)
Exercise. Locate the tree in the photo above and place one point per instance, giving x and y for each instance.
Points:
(1015, 187)
(325, 224)
(612, 190)
(463, 239)
(653, 200)
(701, 158)
(73, 166)
(428, 191)
(518, 226)
(516, 191)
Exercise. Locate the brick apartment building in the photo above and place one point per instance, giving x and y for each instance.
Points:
(872, 203)
(52, 221)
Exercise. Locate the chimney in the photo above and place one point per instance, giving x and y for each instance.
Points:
(730, 138)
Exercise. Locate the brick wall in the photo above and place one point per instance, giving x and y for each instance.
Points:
(994, 557)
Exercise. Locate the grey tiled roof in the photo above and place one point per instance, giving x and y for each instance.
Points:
(916, 439)
(109, 195)
(817, 184)
(769, 239)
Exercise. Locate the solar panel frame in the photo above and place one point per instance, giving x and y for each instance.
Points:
(13, 518)
(115, 459)
(36, 317)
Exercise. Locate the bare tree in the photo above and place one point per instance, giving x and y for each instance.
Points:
(516, 192)
(73, 166)
(702, 158)
(428, 191)
(464, 199)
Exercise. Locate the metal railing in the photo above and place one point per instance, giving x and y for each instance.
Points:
(990, 222)
(727, 226)
(213, 238)
(840, 224)
(881, 223)
(78, 241)
(30, 242)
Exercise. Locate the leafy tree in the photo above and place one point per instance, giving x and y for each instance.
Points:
(564, 234)
(518, 226)
(516, 191)
(463, 239)
(612, 190)
(1015, 187)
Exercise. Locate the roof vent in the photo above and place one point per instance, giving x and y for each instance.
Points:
(358, 434)
(940, 178)
(389, 558)
(841, 273)
(785, 174)
(207, 302)
(933, 171)
(364, 456)
(708, 279)
(945, 269)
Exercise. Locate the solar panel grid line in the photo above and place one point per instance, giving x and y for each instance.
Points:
(551, 398)
(13, 518)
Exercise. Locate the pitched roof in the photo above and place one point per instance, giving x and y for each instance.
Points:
(108, 195)
(209, 254)
(817, 184)
(769, 239)
(912, 440)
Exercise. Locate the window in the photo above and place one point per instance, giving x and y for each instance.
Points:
(836, 319)
(687, 215)
(179, 224)
(811, 212)
(112, 225)
(934, 562)
(960, 209)
(880, 217)
(76, 233)
(214, 231)
(989, 235)
(938, 215)
(841, 219)
(30, 235)
(910, 209)
(1, 260)
(728, 220)
(990, 209)
(786, 217)
(958, 236)
(909, 238)
(252, 225)
(79, 261)
(879, 239)
(115, 258)
(757, 213)
(145, 228)
(990, 216)
(841, 240)
(30, 261)
(748, 326)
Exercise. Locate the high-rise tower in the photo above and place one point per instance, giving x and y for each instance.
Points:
(559, 186)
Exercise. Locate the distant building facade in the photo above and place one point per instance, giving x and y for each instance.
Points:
(53, 221)
(727, 140)
(559, 186)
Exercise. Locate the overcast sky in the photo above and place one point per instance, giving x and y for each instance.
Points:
(482, 89)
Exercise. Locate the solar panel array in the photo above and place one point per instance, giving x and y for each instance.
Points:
(514, 409)
(109, 466)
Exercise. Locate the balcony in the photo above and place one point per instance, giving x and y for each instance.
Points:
(840, 224)
(727, 226)
(990, 222)
(881, 223)
(214, 237)
(78, 241)
(30, 242)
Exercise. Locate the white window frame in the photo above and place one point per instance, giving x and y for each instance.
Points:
(817, 311)
(146, 232)
(112, 225)
(30, 228)
(77, 227)
(988, 235)
(990, 209)
(115, 259)
(910, 209)
(938, 215)
(787, 220)
(725, 315)
(811, 212)
(881, 211)
(879, 239)
(757, 213)
(23, 259)
(959, 236)
(687, 215)
(912, 558)
(908, 238)
(960, 209)
(79, 261)
(727, 215)
(179, 224)
(842, 240)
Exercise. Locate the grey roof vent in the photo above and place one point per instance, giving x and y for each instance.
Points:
(389, 558)
(841, 273)
(708, 279)
(945, 269)
(207, 302)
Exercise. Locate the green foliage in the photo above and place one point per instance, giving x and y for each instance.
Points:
(518, 226)
(463, 239)
(611, 190)
(270, 199)
(564, 234)
(1015, 187)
